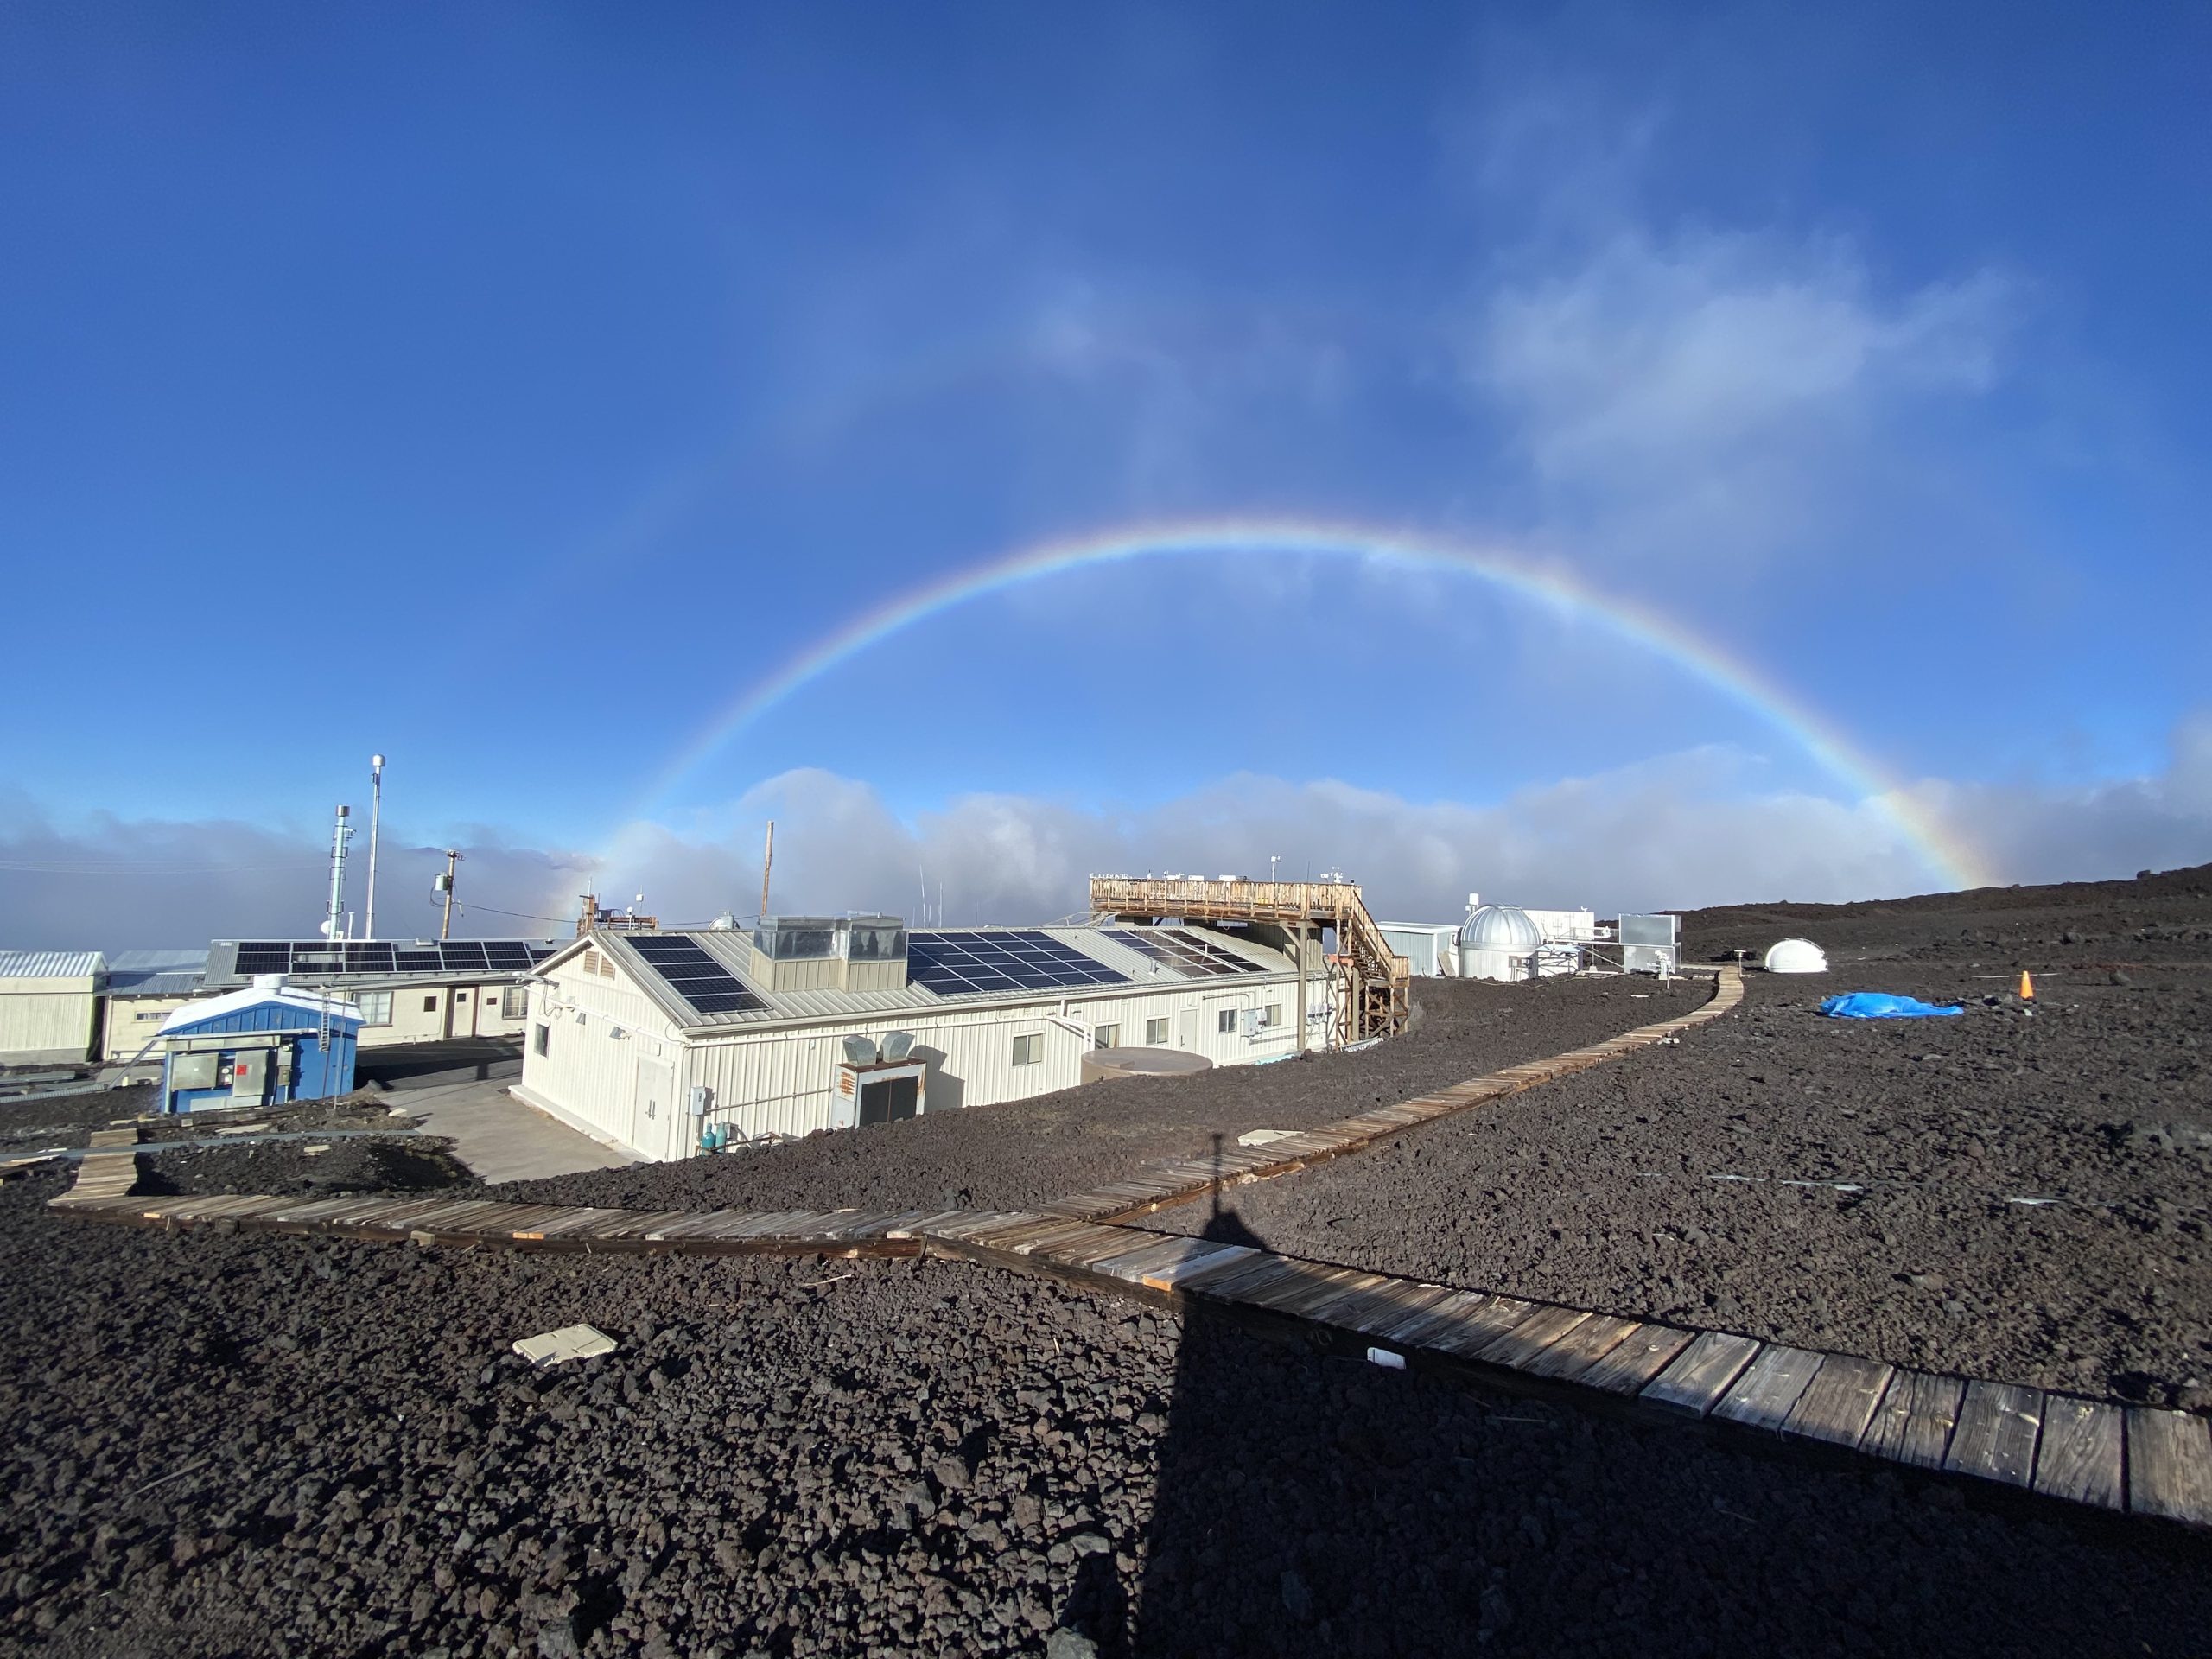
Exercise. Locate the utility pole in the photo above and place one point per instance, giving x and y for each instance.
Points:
(768, 863)
(339, 836)
(376, 815)
(445, 886)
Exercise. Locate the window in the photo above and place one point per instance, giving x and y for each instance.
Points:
(429, 1005)
(1105, 1036)
(149, 1013)
(460, 996)
(1028, 1049)
(1224, 1021)
(1271, 1016)
(514, 1001)
(375, 1007)
(538, 1039)
(1155, 1034)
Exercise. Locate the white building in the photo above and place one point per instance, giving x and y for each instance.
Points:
(660, 1041)
(408, 991)
(1432, 947)
(46, 1005)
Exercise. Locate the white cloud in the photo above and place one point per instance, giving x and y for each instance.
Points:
(1683, 829)
(1721, 394)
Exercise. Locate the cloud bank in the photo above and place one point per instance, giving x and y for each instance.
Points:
(1680, 830)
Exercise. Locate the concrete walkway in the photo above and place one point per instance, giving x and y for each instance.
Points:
(500, 1138)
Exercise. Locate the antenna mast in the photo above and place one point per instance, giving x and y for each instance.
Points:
(768, 863)
(342, 833)
(376, 816)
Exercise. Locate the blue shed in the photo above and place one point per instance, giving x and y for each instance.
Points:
(259, 1046)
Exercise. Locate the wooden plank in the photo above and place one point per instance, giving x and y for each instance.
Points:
(1770, 1386)
(1094, 1243)
(2169, 1464)
(1169, 1277)
(1313, 1282)
(1415, 1329)
(1240, 1280)
(1695, 1379)
(1348, 1294)
(1058, 1233)
(1518, 1347)
(1166, 1256)
(1013, 1239)
(1998, 1423)
(1476, 1328)
(927, 1224)
(2079, 1456)
(1841, 1400)
(1384, 1308)
(972, 1228)
(1914, 1422)
(637, 1224)
(1577, 1350)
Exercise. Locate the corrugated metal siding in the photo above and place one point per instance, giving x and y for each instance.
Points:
(50, 964)
(46, 1025)
(587, 1069)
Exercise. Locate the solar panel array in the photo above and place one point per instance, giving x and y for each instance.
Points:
(1185, 950)
(955, 965)
(693, 974)
(313, 957)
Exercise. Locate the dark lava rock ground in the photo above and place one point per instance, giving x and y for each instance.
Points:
(231, 1445)
(1659, 1185)
(69, 1120)
(1028, 1152)
(281, 1168)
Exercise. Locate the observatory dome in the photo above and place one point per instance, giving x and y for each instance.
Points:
(1796, 956)
(1500, 927)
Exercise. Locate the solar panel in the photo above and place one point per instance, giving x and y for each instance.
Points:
(265, 957)
(463, 956)
(693, 974)
(1182, 950)
(419, 961)
(506, 953)
(368, 956)
(960, 965)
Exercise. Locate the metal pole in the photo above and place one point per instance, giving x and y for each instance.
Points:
(768, 863)
(339, 837)
(444, 927)
(376, 816)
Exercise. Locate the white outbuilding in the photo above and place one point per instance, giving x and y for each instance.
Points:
(1499, 942)
(669, 1043)
(46, 1006)
(1796, 956)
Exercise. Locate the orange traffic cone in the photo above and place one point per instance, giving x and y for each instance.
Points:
(2027, 988)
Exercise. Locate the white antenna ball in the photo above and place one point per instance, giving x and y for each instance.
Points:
(323, 926)
(637, 898)
(376, 760)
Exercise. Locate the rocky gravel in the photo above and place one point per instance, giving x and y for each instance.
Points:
(281, 1168)
(2004, 1194)
(1028, 1152)
(69, 1120)
(268, 1445)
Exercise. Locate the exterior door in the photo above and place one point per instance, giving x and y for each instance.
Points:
(653, 1107)
(1188, 1026)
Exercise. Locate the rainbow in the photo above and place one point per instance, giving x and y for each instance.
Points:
(1945, 855)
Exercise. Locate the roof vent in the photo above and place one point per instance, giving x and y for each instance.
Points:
(859, 1051)
(898, 1045)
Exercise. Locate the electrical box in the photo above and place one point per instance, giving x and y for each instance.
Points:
(250, 1076)
(194, 1070)
(702, 1100)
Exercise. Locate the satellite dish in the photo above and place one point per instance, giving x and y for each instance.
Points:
(860, 1050)
(898, 1045)
(323, 927)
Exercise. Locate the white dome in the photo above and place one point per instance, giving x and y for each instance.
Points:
(1501, 927)
(1796, 956)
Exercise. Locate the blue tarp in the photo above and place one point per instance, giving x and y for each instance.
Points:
(1880, 1005)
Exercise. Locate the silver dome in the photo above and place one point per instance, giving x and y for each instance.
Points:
(1501, 927)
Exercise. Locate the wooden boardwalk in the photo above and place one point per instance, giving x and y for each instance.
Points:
(1173, 1181)
(2104, 1455)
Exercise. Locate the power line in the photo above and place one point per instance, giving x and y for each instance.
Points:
(519, 915)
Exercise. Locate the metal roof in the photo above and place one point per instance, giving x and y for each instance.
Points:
(49, 964)
(153, 984)
(157, 962)
(732, 948)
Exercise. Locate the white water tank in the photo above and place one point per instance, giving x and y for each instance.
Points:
(1796, 956)
(1499, 942)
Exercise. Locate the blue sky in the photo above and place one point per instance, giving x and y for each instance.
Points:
(509, 389)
